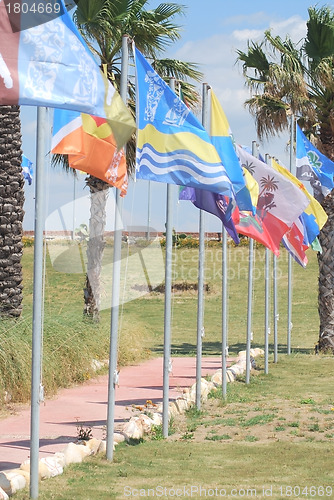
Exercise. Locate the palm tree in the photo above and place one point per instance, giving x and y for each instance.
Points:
(268, 184)
(286, 78)
(11, 212)
(103, 24)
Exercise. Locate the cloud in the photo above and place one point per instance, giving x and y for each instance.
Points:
(294, 27)
(255, 19)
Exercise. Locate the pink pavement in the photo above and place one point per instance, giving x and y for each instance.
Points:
(86, 405)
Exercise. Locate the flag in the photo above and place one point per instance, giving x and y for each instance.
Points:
(278, 196)
(261, 229)
(51, 65)
(172, 146)
(90, 146)
(294, 242)
(314, 217)
(213, 203)
(313, 166)
(275, 213)
(221, 137)
(27, 169)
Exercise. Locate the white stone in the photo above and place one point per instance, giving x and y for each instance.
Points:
(5, 483)
(43, 471)
(230, 376)
(172, 410)
(53, 465)
(134, 428)
(118, 437)
(3, 495)
(159, 408)
(103, 446)
(217, 377)
(96, 365)
(157, 418)
(236, 370)
(192, 393)
(93, 445)
(147, 422)
(205, 389)
(17, 480)
(182, 404)
(60, 457)
(75, 453)
(258, 351)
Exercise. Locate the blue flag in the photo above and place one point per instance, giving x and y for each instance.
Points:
(27, 169)
(172, 146)
(313, 166)
(212, 203)
(51, 65)
(221, 137)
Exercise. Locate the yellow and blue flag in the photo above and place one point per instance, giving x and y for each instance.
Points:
(221, 137)
(172, 145)
(314, 216)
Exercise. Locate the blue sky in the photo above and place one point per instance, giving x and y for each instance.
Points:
(212, 31)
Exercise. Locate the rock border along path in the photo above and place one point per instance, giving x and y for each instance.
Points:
(86, 406)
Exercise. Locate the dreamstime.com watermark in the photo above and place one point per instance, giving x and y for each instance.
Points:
(197, 491)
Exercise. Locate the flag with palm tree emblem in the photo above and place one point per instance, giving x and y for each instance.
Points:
(278, 196)
(280, 203)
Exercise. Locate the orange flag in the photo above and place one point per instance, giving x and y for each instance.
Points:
(90, 146)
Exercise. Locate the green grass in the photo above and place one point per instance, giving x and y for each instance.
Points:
(70, 342)
(242, 436)
(183, 464)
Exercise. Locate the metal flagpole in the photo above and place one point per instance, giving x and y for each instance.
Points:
(148, 209)
(275, 308)
(116, 277)
(37, 300)
(224, 311)
(250, 296)
(200, 311)
(74, 199)
(201, 258)
(266, 303)
(289, 326)
(266, 311)
(168, 301)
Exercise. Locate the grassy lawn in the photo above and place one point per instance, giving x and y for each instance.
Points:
(273, 437)
(275, 433)
(70, 342)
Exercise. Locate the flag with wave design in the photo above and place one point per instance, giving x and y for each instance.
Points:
(172, 146)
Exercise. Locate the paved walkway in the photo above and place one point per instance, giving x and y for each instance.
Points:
(86, 405)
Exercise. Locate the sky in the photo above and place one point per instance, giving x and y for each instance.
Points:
(212, 31)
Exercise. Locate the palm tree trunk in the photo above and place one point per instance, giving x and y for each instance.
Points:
(95, 246)
(326, 279)
(11, 211)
